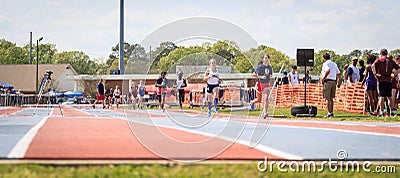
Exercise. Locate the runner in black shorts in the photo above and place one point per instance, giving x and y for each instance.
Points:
(161, 85)
(213, 80)
(117, 95)
(180, 85)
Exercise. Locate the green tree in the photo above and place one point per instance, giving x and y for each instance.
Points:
(179, 54)
(355, 53)
(128, 50)
(78, 60)
(47, 53)
(395, 52)
(115, 65)
(10, 53)
(365, 53)
(161, 51)
(232, 56)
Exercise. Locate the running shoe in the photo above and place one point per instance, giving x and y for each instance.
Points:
(209, 112)
(252, 108)
(94, 107)
(265, 115)
(329, 115)
(216, 110)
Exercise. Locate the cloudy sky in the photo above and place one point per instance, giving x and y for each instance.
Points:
(92, 25)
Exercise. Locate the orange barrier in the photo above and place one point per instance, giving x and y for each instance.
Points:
(349, 97)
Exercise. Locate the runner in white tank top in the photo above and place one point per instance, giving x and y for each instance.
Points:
(212, 77)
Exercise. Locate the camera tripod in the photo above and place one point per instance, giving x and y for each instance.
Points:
(46, 82)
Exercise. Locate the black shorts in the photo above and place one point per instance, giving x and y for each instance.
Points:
(119, 96)
(210, 88)
(181, 95)
(385, 89)
(159, 97)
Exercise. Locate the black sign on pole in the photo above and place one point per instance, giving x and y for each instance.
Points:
(305, 57)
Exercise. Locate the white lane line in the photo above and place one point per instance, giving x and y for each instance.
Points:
(22, 146)
(322, 128)
(338, 130)
(262, 148)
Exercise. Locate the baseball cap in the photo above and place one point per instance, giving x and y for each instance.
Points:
(354, 58)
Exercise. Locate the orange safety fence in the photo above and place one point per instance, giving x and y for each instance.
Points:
(350, 97)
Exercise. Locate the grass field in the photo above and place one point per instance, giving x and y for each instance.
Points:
(199, 170)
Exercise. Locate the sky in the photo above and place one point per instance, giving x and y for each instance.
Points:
(92, 26)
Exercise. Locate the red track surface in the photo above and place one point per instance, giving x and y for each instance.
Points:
(69, 112)
(83, 138)
(9, 111)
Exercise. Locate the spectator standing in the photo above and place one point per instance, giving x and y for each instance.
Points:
(370, 86)
(361, 69)
(383, 69)
(285, 79)
(353, 73)
(330, 78)
(307, 78)
(345, 75)
(395, 83)
(294, 76)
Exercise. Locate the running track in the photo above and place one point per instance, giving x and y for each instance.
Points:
(85, 133)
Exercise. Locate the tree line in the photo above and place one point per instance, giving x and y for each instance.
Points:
(168, 55)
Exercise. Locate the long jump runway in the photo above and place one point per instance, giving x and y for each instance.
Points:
(83, 133)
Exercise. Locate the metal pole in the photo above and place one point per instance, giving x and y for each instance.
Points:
(37, 66)
(305, 85)
(30, 49)
(121, 38)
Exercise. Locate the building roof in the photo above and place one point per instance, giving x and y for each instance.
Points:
(24, 76)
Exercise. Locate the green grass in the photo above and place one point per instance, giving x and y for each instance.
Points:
(196, 170)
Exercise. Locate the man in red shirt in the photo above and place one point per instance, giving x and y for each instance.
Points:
(383, 69)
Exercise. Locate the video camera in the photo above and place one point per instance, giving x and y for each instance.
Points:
(48, 74)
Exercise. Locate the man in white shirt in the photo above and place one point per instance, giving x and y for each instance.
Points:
(330, 75)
